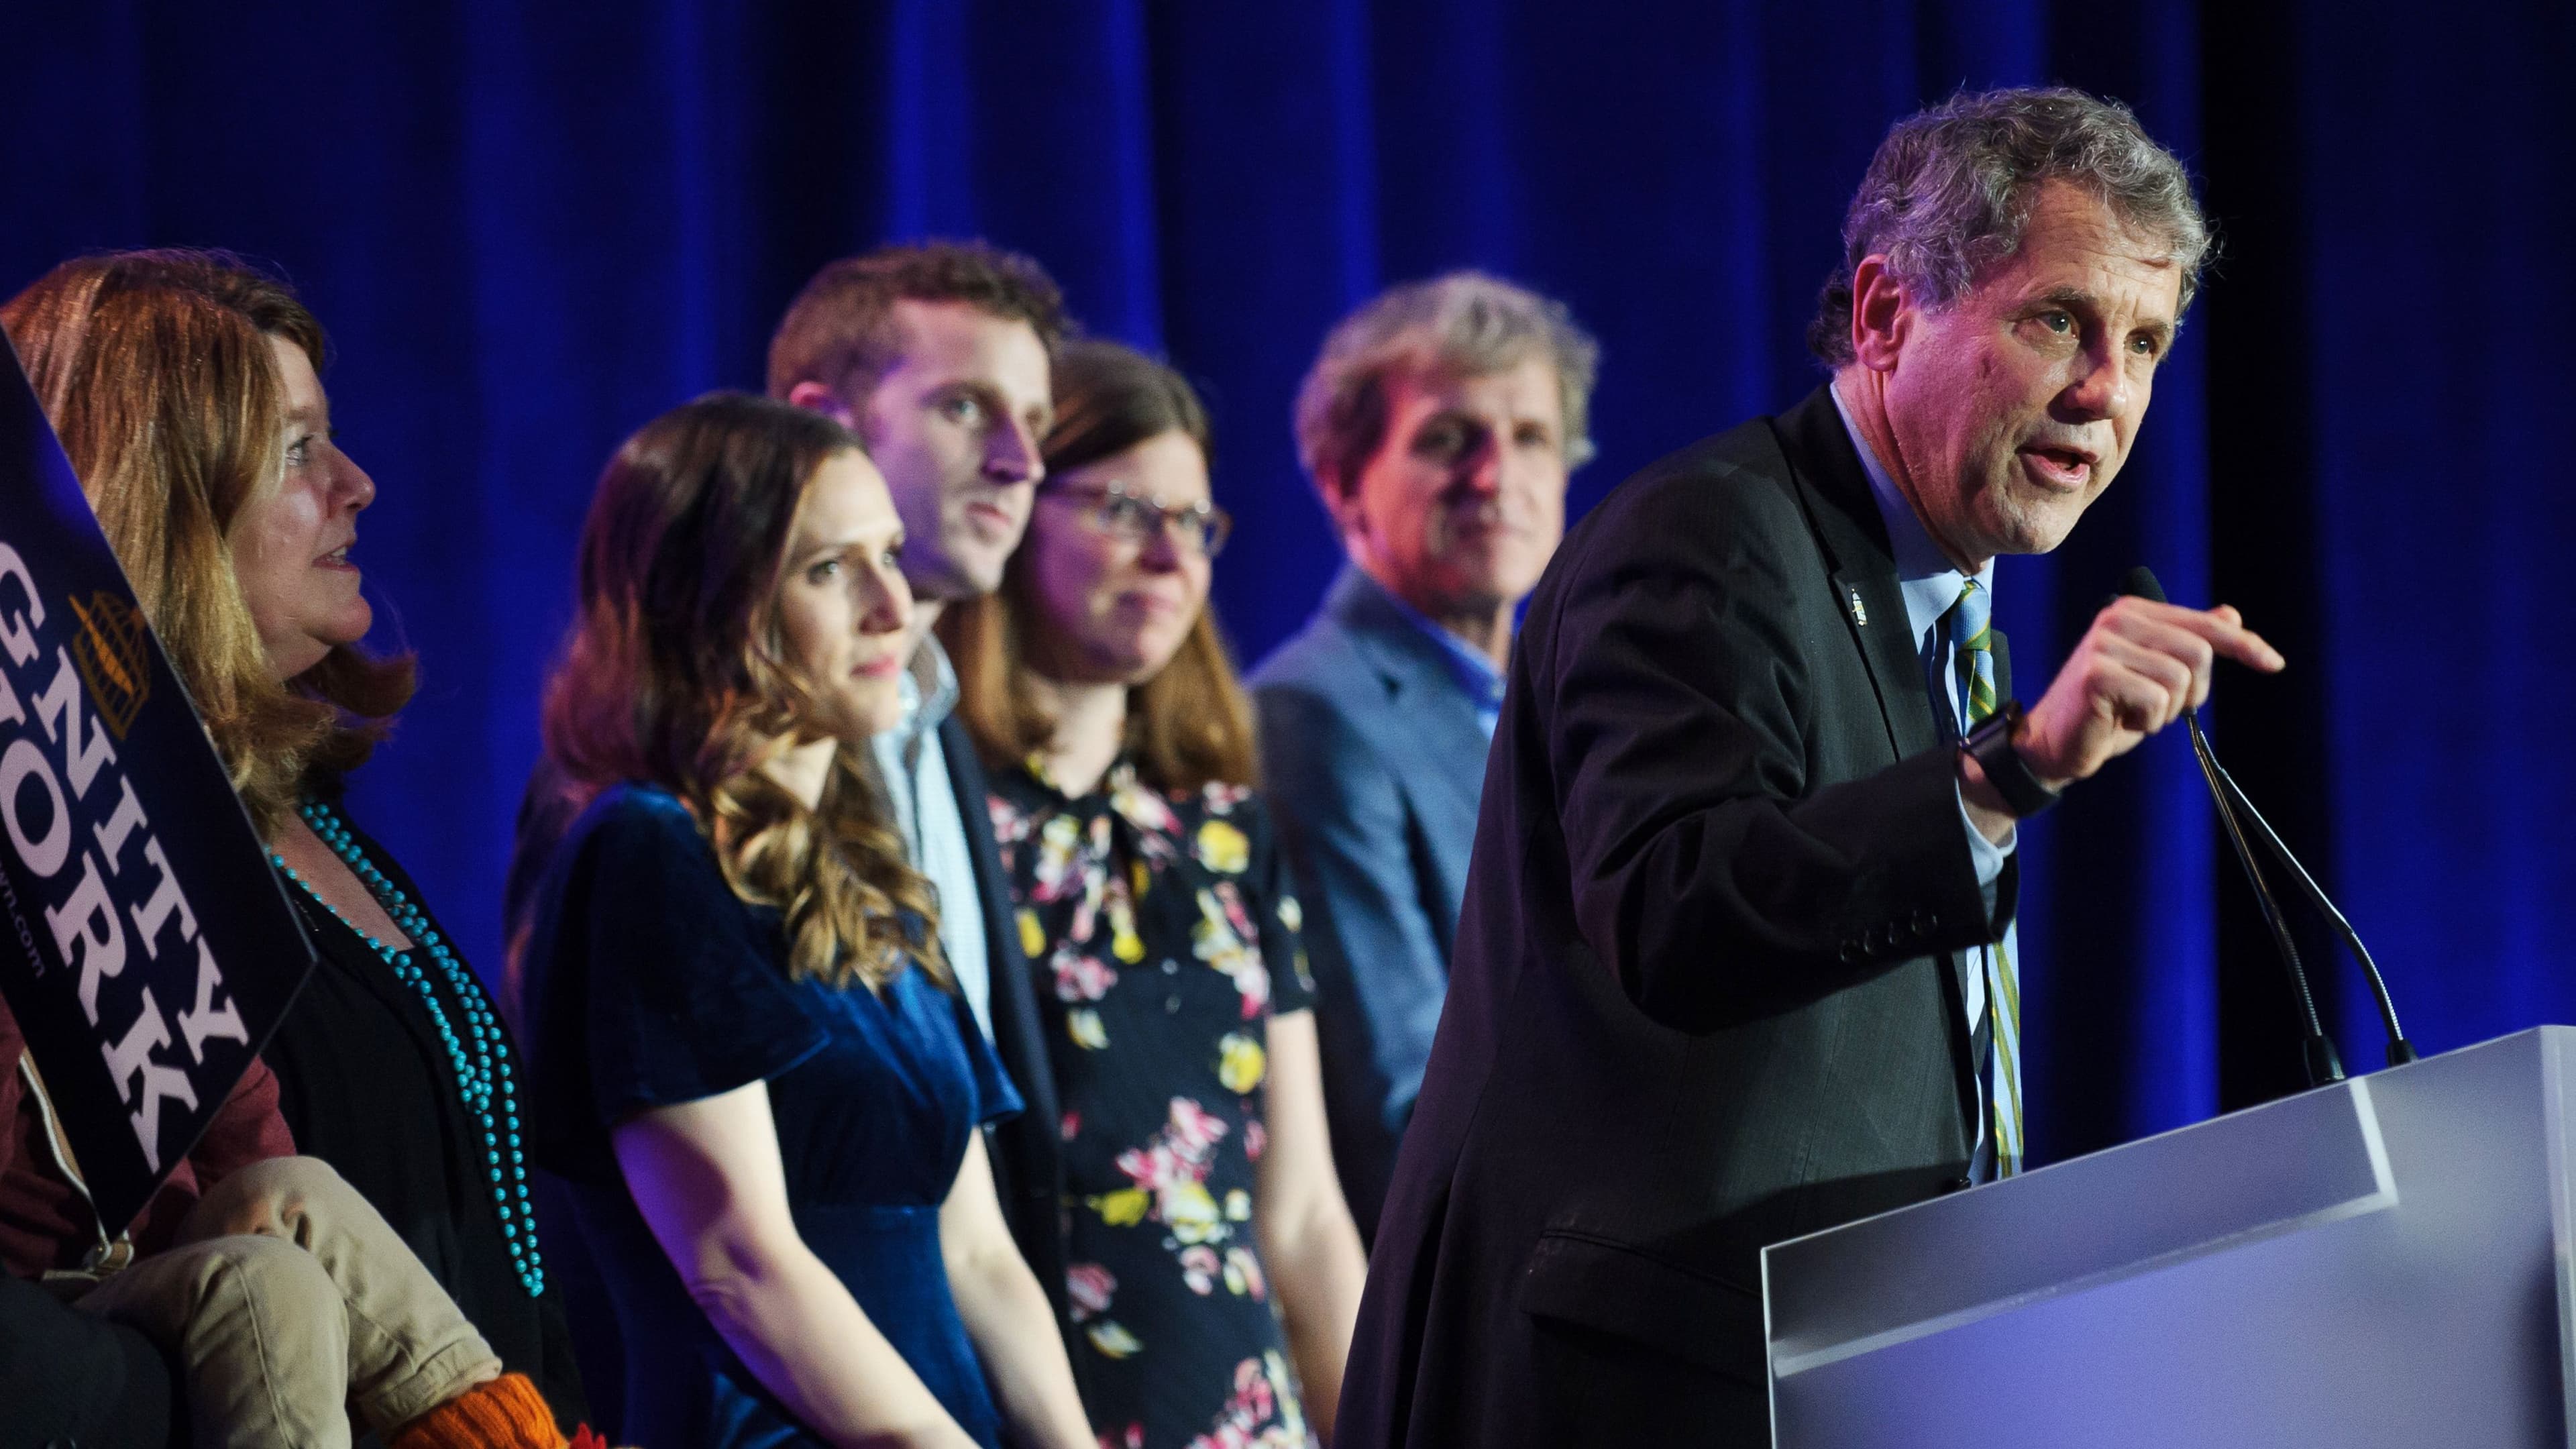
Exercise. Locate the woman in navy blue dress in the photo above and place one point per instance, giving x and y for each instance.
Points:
(749, 1060)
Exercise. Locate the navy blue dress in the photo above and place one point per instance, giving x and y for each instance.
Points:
(649, 983)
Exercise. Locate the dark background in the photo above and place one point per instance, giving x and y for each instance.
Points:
(530, 228)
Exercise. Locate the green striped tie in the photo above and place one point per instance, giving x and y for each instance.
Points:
(1972, 641)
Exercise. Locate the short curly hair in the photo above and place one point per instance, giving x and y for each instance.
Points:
(840, 331)
(1465, 322)
(1951, 189)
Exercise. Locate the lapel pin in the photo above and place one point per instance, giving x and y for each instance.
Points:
(1860, 611)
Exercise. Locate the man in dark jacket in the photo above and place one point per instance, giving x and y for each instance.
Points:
(1735, 959)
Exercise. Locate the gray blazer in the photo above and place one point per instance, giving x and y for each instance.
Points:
(1373, 763)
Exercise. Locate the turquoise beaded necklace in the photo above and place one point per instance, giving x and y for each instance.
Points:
(481, 1057)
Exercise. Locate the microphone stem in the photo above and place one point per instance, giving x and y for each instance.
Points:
(2319, 1056)
(2400, 1050)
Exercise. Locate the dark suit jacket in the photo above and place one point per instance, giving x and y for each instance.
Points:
(1027, 1151)
(1373, 763)
(1707, 993)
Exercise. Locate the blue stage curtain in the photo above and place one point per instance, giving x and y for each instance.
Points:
(530, 229)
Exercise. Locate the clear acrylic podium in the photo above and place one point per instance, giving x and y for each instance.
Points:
(2387, 1261)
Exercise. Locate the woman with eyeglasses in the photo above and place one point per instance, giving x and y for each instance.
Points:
(1213, 1266)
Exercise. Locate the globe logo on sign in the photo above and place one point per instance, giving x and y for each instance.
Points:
(109, 652)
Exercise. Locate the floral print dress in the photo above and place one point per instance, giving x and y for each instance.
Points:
(1164, 938)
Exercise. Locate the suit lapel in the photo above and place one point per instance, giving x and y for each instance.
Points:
(1845, 518)
(1844, 514)
(1018, 1034)
(1436, 726)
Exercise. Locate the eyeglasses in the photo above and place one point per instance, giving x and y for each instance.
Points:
(1200, 528)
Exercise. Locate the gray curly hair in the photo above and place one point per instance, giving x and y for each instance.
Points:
(1951, 189)
(1467, 323)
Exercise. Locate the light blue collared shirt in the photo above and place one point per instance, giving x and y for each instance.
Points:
(914, 770)
(1930, 584)
(1479, 678)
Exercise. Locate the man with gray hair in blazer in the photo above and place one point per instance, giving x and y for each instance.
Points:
(1439, 424)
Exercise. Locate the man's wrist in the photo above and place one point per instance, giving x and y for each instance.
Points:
(1987, 814)
(1995, 775)
(1977, 790)
(2022, 730)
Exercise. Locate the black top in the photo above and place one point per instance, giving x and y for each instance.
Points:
(1707, 988)
(366, 1085)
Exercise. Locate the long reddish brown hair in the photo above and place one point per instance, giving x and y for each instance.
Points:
(1188, 726)
(676, 676)
(155, 369)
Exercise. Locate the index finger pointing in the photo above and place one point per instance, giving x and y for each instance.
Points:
(2229, 637)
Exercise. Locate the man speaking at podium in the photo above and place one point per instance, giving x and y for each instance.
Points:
(1736, 960)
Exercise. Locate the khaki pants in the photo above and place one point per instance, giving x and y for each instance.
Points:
(292, 1305)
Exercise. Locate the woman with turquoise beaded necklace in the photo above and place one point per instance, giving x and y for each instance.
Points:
(483, 1074)
(392, 1065)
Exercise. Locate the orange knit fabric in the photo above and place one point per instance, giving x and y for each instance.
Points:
(506, 1413)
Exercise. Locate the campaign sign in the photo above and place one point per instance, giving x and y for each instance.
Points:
(146, 948)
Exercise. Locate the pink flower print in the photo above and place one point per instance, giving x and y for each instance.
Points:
(1195, 1129)
(1235, 915)
(1222, 797)
(1090, 1286)
(1079, 977)
(1199, 1268)
(1132, 1437)
(1144, 808)
(1170, 1177)
(1213, 938)
(1219, 939)
(1010, 827)
(1256, 1139)
(1249, 1419)
(1243, 1274)
(1071, 1127)
(1085, 921)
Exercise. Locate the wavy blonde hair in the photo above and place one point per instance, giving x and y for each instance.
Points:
(155, 369)
(676, 676)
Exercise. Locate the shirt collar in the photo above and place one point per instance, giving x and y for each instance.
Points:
(928, 690)
(1925, 575)
(1478, 676)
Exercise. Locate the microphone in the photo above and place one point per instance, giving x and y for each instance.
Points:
(2316, 1051)
(2400, 1050)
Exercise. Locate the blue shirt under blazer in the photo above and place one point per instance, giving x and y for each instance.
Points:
(1373, 762)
